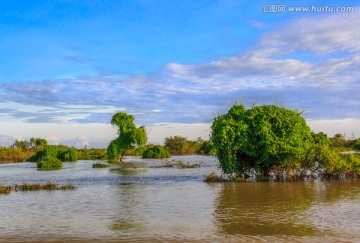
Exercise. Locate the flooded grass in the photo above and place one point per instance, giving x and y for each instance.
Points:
(132, 165)
(5, 189)
(50, 186)
(213, 177)
(183, 165)
(178, 164)
(100, 165)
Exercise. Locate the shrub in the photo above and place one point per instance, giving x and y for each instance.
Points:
(14, 154)
(60, 152)
(157, 152)
(68, 155)
(49, 162)
(207, 147)
(357, 144)
(259, 138)
(179, 145)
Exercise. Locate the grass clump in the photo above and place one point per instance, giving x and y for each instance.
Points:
(184, 165)
(5, 189)
(49, 162)
(50, 186)
(213, 177)
(100, 165)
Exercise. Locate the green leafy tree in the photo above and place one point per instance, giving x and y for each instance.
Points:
(21, 144)
(38, 143)
(260, 138)
(176, 144)
(129, 136)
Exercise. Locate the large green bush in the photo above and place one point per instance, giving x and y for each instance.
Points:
(68, 155)
(156, 152)
(260, 138)
(60, 152)
(49, 162)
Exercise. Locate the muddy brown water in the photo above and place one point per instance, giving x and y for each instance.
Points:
(173, 205)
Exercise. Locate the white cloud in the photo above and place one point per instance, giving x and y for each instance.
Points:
(52, 139)
(81, 141)
(324, 82)
(320, 34)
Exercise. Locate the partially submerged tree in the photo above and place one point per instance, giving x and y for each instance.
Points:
(129, 136)
(260, 138)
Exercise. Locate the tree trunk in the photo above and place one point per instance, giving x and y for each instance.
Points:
(122, 156)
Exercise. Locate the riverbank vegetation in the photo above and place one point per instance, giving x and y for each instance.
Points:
(178, 145)
(273, 142)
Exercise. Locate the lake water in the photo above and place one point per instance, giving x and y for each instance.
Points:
(172, 204)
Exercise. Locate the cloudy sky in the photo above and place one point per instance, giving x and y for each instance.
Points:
(68, 66)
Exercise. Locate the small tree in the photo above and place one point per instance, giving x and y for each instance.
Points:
(129, 136)
(21, 144)
(260, 138)
(38, 143)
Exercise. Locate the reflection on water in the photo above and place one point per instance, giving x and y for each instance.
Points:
(172, 204)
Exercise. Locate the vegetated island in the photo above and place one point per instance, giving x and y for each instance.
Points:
(273, 143)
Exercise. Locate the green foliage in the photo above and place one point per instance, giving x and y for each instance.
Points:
(60, 152)
(68, 155)
(14, 154)
(156, 152)
(38, 143)
(260, 138)
(129, 136)
(21, 150)
(49, 162)
(341, 143)
(357, 144)
(321, 138)
(176, 145)
(92, 154)
(21, 144)
(100, 165)
(179, 145)
(207, 147)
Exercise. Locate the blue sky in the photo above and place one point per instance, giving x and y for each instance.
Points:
(67, 66)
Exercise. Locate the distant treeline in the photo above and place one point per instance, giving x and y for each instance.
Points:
(37, 148)
(31, 150)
